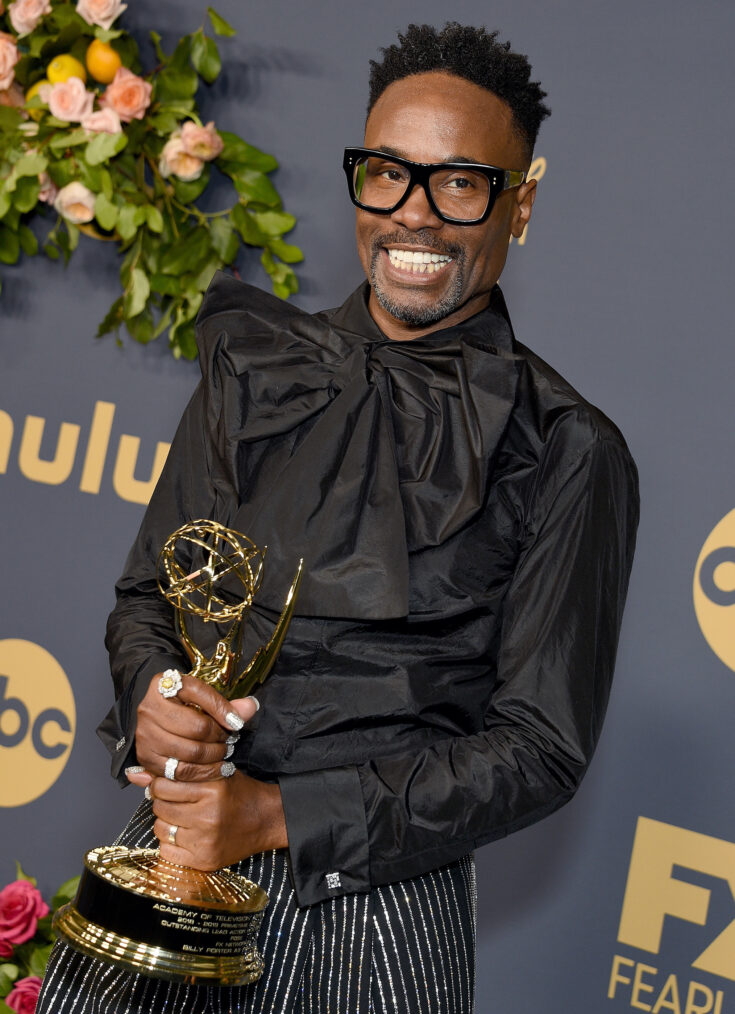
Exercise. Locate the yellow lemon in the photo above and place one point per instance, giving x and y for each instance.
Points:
(63, 67)
(102, 61)
(36, 114)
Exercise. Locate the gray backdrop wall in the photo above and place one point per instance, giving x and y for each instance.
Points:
(624, 285)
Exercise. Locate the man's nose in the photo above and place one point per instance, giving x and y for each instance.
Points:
(417, 213)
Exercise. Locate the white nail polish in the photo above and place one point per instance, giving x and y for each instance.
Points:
(255, 701)
(135, 769)
(234, 721)
(234, 738)
(147, 792)
(227, 769)
(230, 750)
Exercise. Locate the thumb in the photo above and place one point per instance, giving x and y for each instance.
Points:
(245, 707)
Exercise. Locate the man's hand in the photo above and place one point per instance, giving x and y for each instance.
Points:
(218, 823)
(197, 738)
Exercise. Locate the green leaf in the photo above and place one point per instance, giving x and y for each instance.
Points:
(224, 239)
(164, 122)
(164, 321)
(10, 118)
(105, 212)
(65, 893)
(112, 321)
(72, 232)
(156, 40)
(106, 183)
(141, 327)
(28, 241)
(108, 34)
(188, 192)
(172, 85)
(51, 251)
(8, 974)
(103, 146)
(27, 165)
(239, 151)
(166, 285)
(4, 202)
(68, 140)
(39, 960)
(188, 253)
(9, 254)
(246, 225)
(274, 223)
(286, 251)
(26, 194)
(129, 218)
(154, 218)
(62, 172)
(255, 186)
(219, 25)
(137, 294)
(36, 42)
(21, 875)
(205, 56)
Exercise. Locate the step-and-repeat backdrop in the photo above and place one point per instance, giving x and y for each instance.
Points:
(624, 899)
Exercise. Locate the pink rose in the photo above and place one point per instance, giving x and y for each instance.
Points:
(6, 949)
(9, 56)
(23, 997)
(13, 96)
(21, 906)
(49, 190)
(68, 100)
(175, 160)
(75, 203)
(105, 120)
(25, 14)
(100, 12)
(128, 94)
(202, 142)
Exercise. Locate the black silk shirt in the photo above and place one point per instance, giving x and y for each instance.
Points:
(467, 522)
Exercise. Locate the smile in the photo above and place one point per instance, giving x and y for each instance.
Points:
(417, 261)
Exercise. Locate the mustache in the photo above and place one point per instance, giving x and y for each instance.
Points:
(424, 237)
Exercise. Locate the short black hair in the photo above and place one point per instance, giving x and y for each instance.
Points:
(471, 53)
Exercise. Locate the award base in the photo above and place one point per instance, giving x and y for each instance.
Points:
(138, 911)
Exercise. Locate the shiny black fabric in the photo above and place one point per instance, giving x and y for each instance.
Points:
(468, 524)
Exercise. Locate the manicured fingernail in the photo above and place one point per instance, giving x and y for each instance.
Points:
(227, 769)
(234, 721)
(234, 738)
(147, 792)
(136, 769)
(255, 701)
(230, 750)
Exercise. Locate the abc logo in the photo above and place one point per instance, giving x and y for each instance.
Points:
(37, 721)
(714, 590)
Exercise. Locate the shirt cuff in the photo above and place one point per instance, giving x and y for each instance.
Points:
(327, 833)
(117, 730)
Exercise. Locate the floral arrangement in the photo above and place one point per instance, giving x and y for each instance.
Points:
(122, 155)
(26, 940)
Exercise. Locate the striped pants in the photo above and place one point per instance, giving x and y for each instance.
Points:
(407, 948)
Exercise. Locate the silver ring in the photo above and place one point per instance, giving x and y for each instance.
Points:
(170, 683)
(170, 768)
(172, 834)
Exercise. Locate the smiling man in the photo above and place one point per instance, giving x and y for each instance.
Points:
(468, 523)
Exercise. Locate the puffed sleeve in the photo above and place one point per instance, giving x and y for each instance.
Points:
(141, 637)
(399, 816)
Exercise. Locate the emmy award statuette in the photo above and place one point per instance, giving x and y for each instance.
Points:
(134, 909)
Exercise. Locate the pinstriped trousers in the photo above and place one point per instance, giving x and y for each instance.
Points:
(406, 948)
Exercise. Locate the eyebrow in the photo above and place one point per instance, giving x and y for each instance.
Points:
(387, 150)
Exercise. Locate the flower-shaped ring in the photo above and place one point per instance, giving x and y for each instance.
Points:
(170, 683)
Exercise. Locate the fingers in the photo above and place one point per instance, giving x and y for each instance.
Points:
(194, 691)
(186, 771)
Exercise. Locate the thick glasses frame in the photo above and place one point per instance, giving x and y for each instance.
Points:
(420, 174)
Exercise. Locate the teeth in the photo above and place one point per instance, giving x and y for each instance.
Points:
(417, 261)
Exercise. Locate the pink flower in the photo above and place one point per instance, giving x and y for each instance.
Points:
(23, 997)
(68, 100)
(6, 949)
(75, 203)
(25, 14)
(128, 94)
(105, 120)
(100, 12)
(202, 142)
(176, 161)
(49, 190)
(9, 56)
(21, 906)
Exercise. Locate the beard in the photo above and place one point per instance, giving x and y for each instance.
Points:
(416, 310)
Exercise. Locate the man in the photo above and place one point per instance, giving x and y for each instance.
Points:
(468, 523)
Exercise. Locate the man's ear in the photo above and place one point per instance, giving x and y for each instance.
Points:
(525, 196)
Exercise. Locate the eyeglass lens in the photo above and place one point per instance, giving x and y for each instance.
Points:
(457, 193)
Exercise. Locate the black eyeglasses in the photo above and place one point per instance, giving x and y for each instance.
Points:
(462, 193)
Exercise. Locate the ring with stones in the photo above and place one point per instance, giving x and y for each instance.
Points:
(170, 768)
(170, 683)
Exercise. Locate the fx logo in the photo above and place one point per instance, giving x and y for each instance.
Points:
(714, 590)
(37, 720)
(653, 892)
